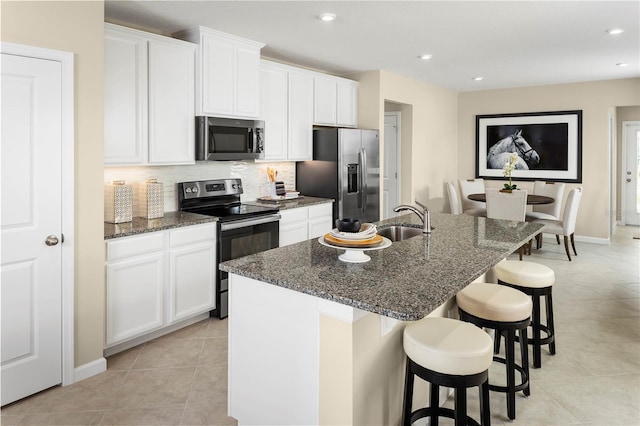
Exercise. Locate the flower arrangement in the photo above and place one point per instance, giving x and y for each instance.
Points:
(508, 168)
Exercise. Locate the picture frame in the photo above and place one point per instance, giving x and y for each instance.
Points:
(549, 145)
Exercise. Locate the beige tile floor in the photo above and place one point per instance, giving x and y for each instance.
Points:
(181, 378)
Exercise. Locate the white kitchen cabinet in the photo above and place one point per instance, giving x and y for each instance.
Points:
(228, 76)
(149, 98)
(300, 143)
(273, 110)
(157, 279)
(347, 103)
(335, 101)
(302, 223)
(287, 110)
(135, 286)
(320, 219)
(192, 266)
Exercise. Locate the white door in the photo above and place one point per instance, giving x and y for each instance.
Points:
(31, 273)
(631, 173)
(391, 192)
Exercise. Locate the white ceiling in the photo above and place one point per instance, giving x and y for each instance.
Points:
(509, 43)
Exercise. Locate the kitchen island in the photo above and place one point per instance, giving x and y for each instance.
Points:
(314, 340)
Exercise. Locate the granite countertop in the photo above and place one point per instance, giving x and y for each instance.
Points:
(302, 201)
(141, 225)
(405, 281)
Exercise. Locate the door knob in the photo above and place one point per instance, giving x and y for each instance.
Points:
(51, 240)
(628, 179)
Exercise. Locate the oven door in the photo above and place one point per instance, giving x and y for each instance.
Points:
(242, 238)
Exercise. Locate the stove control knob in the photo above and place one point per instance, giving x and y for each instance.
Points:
(194, 189)
(187, 189)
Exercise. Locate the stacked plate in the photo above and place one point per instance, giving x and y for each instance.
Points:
(366, 237)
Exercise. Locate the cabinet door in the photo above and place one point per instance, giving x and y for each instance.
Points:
(171, 102)
(320, 220)
(192, 281)
(324, 89)
(247, 84)
(347, 103)
(125, 98)
(300, 144)
(273, 110)
(294, 226)
(217, 76)
(134, 297)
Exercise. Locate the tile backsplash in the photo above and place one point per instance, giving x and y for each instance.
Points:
(253, 175)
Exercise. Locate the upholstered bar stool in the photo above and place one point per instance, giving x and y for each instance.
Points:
(506, 311)
(450, 353)
(535, 280)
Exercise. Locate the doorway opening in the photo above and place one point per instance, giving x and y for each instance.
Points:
(397, 156)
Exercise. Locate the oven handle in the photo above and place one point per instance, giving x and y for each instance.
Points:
(249, 222)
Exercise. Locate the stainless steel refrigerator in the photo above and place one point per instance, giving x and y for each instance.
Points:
(345, 167)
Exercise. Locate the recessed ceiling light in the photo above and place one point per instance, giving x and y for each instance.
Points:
(327, 17)
(426, 57)
(479, 78)
(622, 64)
(614, 31)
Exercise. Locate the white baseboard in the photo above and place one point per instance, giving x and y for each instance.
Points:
(580, 238)
(90, 369)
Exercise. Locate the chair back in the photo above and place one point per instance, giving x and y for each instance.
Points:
(571, 211)
(554, 190)
(506, 205)
(471, 186)
(454, 200)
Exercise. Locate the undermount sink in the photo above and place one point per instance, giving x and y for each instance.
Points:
(399, 232)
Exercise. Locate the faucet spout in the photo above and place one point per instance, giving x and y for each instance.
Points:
(424, 215)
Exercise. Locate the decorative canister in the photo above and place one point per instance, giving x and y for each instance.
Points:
(118, 202)
(149, 199)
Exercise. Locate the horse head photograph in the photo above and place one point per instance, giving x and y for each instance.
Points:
(499, 153)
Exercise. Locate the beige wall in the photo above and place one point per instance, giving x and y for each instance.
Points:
(429, 139)
(77, 27)
(594, 99)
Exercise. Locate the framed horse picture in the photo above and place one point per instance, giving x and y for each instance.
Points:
(548, 144)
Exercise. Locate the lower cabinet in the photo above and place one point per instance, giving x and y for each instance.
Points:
(157, 279)
(303, 223)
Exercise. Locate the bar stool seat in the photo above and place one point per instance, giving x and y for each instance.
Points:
(535, 280)
(506, 311)
(451, 353)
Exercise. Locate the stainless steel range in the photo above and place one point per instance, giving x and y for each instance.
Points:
(243, 229)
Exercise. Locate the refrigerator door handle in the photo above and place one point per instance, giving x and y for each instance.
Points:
(363, 180)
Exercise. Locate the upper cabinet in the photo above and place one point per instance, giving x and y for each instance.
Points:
(228, 73)
(335, 101)
(149, 89)
(286, 98)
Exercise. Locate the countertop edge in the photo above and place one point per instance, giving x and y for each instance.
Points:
(140, 225)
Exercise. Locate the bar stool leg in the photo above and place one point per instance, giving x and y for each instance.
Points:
(408, 396)
(524, 353)
(485, 412)
(434, 397)
(511, 374)
(535, 325)
(550, 326)
(460, 407)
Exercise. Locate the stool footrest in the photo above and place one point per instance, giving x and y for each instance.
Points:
(440, 412)
(524, 386)
(543, 340)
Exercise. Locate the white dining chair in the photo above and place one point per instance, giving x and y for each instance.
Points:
(553, 211)
(567, 225)
(508, 206)
(454, 198)
(472, 186)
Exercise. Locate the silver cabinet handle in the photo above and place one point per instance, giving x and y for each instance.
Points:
(51, 240)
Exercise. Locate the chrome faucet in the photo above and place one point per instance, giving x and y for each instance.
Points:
(424, 215)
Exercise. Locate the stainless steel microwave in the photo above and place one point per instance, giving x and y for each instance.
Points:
(229, 139)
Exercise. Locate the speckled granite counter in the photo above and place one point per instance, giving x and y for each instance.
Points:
(405, 281)
(140, 225)
(303, 201)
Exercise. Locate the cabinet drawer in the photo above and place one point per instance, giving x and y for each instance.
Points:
(294, 215)
(320, 210)
(192, 234)
(135, 245)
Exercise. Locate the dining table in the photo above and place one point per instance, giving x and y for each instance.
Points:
(532, 199)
